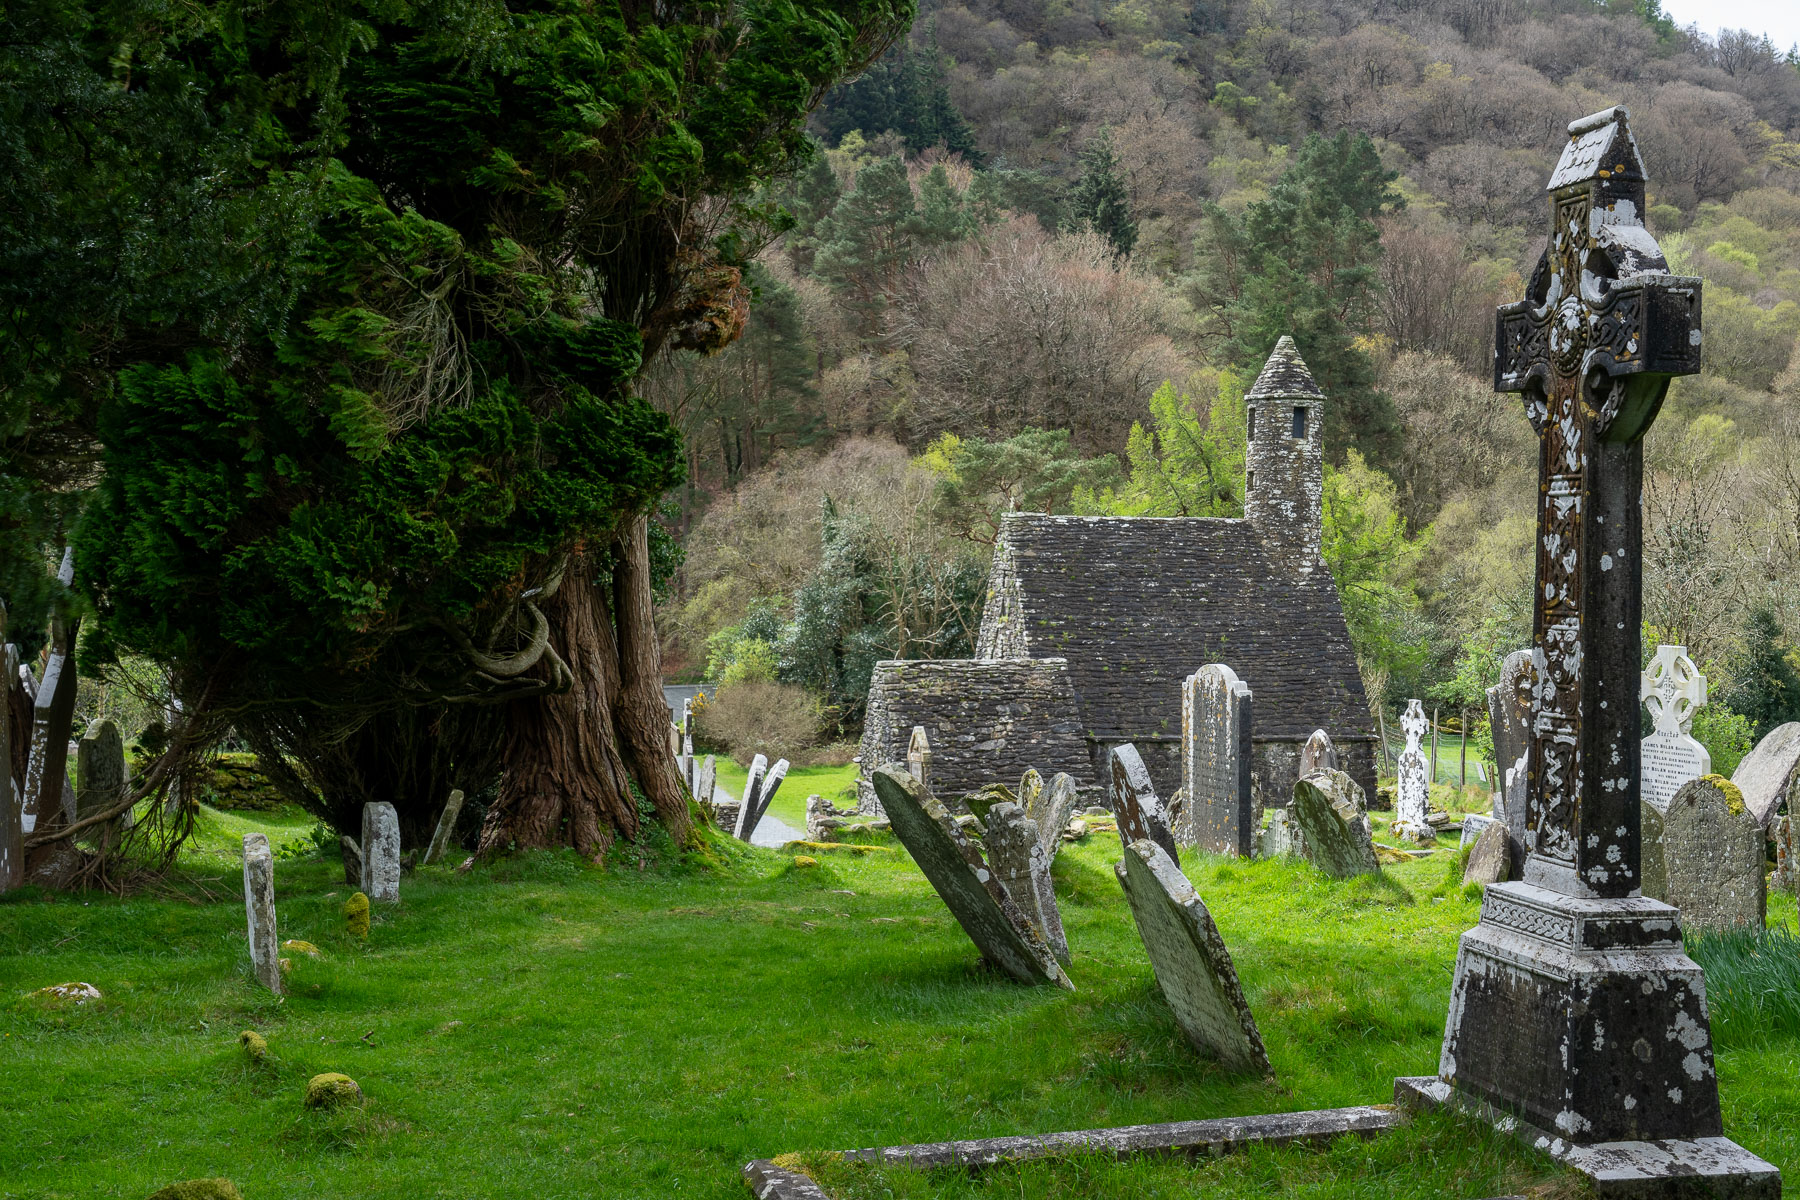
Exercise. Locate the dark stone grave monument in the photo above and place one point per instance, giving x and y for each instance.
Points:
(1136, 809)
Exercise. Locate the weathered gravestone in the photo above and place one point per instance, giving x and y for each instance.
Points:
(1017, 856)
(1335, 836)
(765, 796)
(12, 822)
(1488, 860)
(1703, 853)
(352, 856)
(1671, 688)
(1574, 1007)
(1192, 965)
(381, 853)
(1412, 785)
(259, 911)
(100, 772)
(1786, 829)
(1768, 771)
(1052, 811)
(1136, 810)
(1509, 718)
(1031, 789)
(918, 757)
(53, 713)
(1217, 812)
(446, 828)
(1318, 754)
(969, 889)
(742, 827)
(706, 777)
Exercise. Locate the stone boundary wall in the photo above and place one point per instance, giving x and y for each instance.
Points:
(988, 720)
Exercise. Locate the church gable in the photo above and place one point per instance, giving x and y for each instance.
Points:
(1137, 604)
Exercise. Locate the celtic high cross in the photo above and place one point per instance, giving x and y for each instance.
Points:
(1602, 329)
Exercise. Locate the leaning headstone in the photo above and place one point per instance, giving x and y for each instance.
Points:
(964, 882)
(259, 911)
(745, 824)
(1335, 835)
(1767, 772)
(1054, 807)
(1192, 965)
(1712, 856)
(1017, 857)
(1412, 786)
(12, 817)
(1030, 793)
(1509, 714)
(1280, 837)
(1318, 754)
(1218, 812)
(53, 712)
(1488, 860)
(351, 852)
(1137, 811)
(918, 757)
(765, 796)
(1474, 826)
(381, 853)
(1671, 688)
(446, 828)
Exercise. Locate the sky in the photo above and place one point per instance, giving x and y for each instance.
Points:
(1780, 19)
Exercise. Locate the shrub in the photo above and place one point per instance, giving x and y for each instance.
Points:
(755, 717)
(236, 784)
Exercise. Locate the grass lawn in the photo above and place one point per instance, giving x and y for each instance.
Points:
(546, 1029)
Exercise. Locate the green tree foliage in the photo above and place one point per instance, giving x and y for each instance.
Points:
(906, 92)
(1372, 559)
(865, 244)
(1478, 661)
(1035, 470)
(1185, 463)
(1304, 262)
(1099, 198)
(1765, 688)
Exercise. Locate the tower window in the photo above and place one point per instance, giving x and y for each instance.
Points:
(1299, 422)
(1249, 481)
(1252, 422)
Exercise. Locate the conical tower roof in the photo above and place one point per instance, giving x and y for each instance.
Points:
(1285, 375)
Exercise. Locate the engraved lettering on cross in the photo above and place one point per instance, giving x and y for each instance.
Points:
(1592, 347)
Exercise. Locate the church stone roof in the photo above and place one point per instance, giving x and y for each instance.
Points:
(1136, 604)
(1285, 376)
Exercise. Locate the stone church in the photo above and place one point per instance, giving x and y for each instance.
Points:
(1092, 623)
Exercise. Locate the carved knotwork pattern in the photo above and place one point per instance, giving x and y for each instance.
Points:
(1535, 921)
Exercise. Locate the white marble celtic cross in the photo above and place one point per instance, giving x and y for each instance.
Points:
(1672, 688)
(1414, 724)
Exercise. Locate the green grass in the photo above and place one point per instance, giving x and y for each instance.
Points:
(545, 1029)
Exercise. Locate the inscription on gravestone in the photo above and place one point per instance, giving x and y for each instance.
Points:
(1218, 813)
(1672, 688)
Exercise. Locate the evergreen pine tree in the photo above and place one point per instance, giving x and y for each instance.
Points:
(865, 243)
(943, 218)
(1767, 688)
(1099, 198)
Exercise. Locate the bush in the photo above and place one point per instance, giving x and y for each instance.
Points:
(237, 785)
(755, 717)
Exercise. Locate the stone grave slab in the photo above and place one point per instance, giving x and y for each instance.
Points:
(1053, 810)
(918, 756)
(1192, 965)
(259, 911)
(1509, 713)
(743, 826)
(1703, 853)
(969, 889)
(1767, 772)
(1488, 860)
(1786, 829)
(1017, 856)
(1218, 812)
(1318, 754)
(1328, 810)
(446, 828)
(381, 853)
(1136, 810)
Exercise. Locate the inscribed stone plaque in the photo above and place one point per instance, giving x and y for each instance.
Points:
(1017, 856)
(1334, 828)
(1219, 814)
(743, 827)
(1767, 771)
(1192, 965)
(1712, 857)
(963, 881)
(1671, 688)
(1136, 810)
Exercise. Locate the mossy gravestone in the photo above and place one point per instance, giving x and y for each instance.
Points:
(1703, 853)
(259, 910)
(974, 896)
(1334, 828)
(1052, 810)
(1193, 968)
(1017, 856)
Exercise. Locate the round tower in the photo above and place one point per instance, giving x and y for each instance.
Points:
(1284, 463)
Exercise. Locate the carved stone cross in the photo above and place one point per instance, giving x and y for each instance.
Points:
(1602, 329)
(1672, 688)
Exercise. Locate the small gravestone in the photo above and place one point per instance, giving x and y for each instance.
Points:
(1474, 826)
(12, 823)
(381, 853)
(1054, 808)
(918, 757)
(765, 796)
(446, 828)
(1671, 688)
(1017, 856)
(47, 798)
(100, 767)
(1787, 846)
(1328, 808)
(259, 911)
(1137, 811)
(964, 882)
(1218, 812)
(743, 827)
(1280, 838)
(1412, 786)
(706, 777)
(1030, 792)
(1192, 965)
(1318, 754)
(1767, 772)
(1488, 860)
(1710, 864)
(1509, 716)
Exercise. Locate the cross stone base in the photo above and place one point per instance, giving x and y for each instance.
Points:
(1583, 1016)
(1706, 1168)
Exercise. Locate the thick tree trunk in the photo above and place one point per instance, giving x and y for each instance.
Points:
(640, 713)
(565, 783)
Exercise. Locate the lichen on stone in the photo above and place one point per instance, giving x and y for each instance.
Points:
(297, 946)
(255, 1045)
(332, 1090)
(199, 1189)
(356, 915)
(1734, 795)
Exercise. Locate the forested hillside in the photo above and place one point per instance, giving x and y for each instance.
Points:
(1042, 245)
